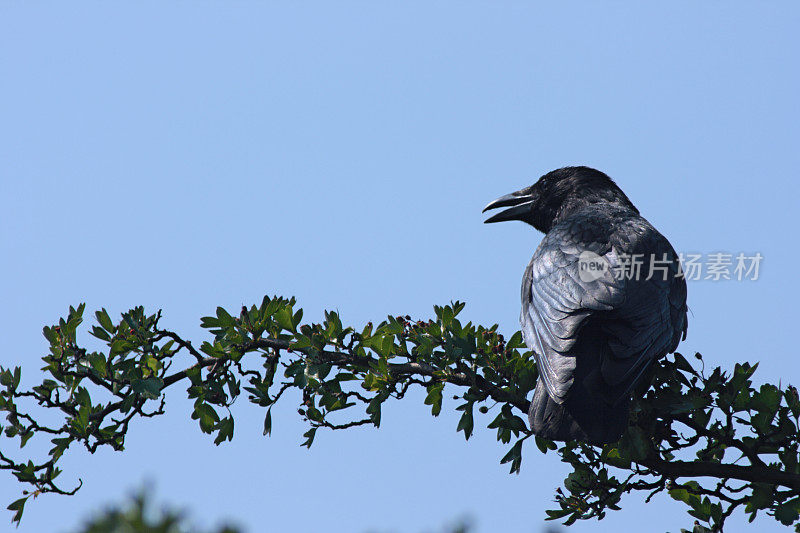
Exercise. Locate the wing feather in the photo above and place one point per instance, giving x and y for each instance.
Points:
(633, 321)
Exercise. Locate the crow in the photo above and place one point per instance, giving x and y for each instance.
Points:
(602, 298)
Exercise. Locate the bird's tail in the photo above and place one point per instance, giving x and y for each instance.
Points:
(582, 416)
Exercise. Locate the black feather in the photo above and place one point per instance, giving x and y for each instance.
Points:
(594, 340)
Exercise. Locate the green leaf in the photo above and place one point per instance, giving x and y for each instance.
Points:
(152, 363)
(17, 506)
(24, 438)
(149, 388)
(374, 409)
(233, 387)
(387, 346)
(82, 420)
(635, 443)
(767, 399)
(683, 495)
(793, 400)
(131, 322)
(284, 318)
(98, 363)
(298, 316)
(268, 423)
(761, 497)
(392, 327)
(514, 456)
(50, 334)
(300, 342)
(683, 364)
(224, 318)
(434, 398)
(787, 513)
(614, 457)
(104, 320)
(127, 403)
(515, 341)
(225, 430)
(207, 415)
(447, 315)
(557, 514)
(61, 444)
(100, 333)
(314, 414)
(578, 481)
(309, 435)
(544, 445)
(466, 423)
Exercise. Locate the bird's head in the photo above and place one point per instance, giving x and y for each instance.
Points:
(557, 194)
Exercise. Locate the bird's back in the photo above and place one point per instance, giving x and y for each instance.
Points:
(602, 299)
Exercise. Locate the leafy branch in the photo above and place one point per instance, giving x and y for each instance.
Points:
(710, 440)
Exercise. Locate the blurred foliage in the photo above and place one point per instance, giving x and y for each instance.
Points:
(140, 517)
(708, 439)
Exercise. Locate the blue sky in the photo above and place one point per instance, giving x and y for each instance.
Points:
(186, 155)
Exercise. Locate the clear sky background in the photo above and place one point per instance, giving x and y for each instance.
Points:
(184, 155)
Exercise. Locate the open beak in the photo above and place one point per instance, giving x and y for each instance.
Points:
(521, 206)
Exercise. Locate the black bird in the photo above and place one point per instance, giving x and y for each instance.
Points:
(602, 299)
